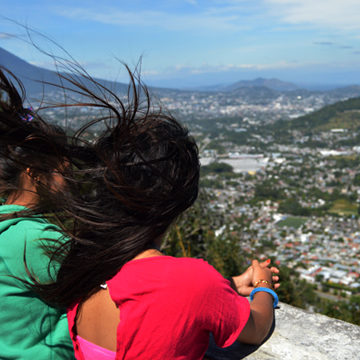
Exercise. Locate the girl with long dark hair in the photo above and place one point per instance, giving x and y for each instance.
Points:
(30, 164)
(124, 189)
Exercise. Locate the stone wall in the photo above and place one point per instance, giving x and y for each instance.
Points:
(298, 335)
(301, 335)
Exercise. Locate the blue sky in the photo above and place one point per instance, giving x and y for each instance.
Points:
(196, 42)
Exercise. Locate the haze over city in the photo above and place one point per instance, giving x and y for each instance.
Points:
(194, 43)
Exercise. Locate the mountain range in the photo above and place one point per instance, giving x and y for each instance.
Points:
(274, 84)
(35, 80)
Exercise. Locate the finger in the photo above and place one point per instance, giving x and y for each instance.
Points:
(274, 270)
(255, 263)
(275, 278)
(276, 286)
(265, 263)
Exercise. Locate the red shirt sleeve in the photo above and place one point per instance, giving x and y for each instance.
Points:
(224, 312)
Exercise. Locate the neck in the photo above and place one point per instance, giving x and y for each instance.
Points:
(24, 198)
(148, 253)
(26, 195)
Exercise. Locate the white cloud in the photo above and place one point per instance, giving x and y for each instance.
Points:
(230, 15)
(43, 64)
(219, 15)
(151, 73)
(6, 36)
(336, 14)
(206, 68)
(170, 21)
(277, 65)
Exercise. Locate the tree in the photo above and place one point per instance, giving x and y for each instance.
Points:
(292, 206)
(267, 190)
(193, 235)
(356, 181)
(216, 168)
(294, 291)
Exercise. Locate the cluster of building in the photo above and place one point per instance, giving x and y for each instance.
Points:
(255, 106)
(323, 249)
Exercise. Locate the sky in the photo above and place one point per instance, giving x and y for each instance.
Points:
(186, 43)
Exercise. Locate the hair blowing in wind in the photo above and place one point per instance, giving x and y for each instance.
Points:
(124, 188)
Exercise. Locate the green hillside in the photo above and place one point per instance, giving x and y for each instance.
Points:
(343, 114)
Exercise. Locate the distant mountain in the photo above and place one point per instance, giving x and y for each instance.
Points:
(273, 84)
(27, 73)
(347, 91)
(34, 78)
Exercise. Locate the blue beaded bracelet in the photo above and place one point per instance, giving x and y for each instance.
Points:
(270, 291)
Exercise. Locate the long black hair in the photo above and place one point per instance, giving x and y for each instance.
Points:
(124, 188)
(27, 142)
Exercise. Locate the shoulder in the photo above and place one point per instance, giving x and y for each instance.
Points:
(25, 238)
(29, 229)
(194, 267)
(189, 274)
(196, 274)
(170, 266)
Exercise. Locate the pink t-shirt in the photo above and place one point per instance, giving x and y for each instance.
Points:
(168, 307)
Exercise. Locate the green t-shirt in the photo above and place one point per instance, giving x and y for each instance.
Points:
(29, 328)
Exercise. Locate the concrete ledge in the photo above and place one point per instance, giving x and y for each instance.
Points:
(301, 335)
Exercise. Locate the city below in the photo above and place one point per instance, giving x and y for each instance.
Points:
(281, 172)
(309, 218)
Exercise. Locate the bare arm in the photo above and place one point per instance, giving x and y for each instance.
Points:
(261, 308)
(260, 319)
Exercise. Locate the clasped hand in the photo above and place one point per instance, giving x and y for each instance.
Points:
(257, 271)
